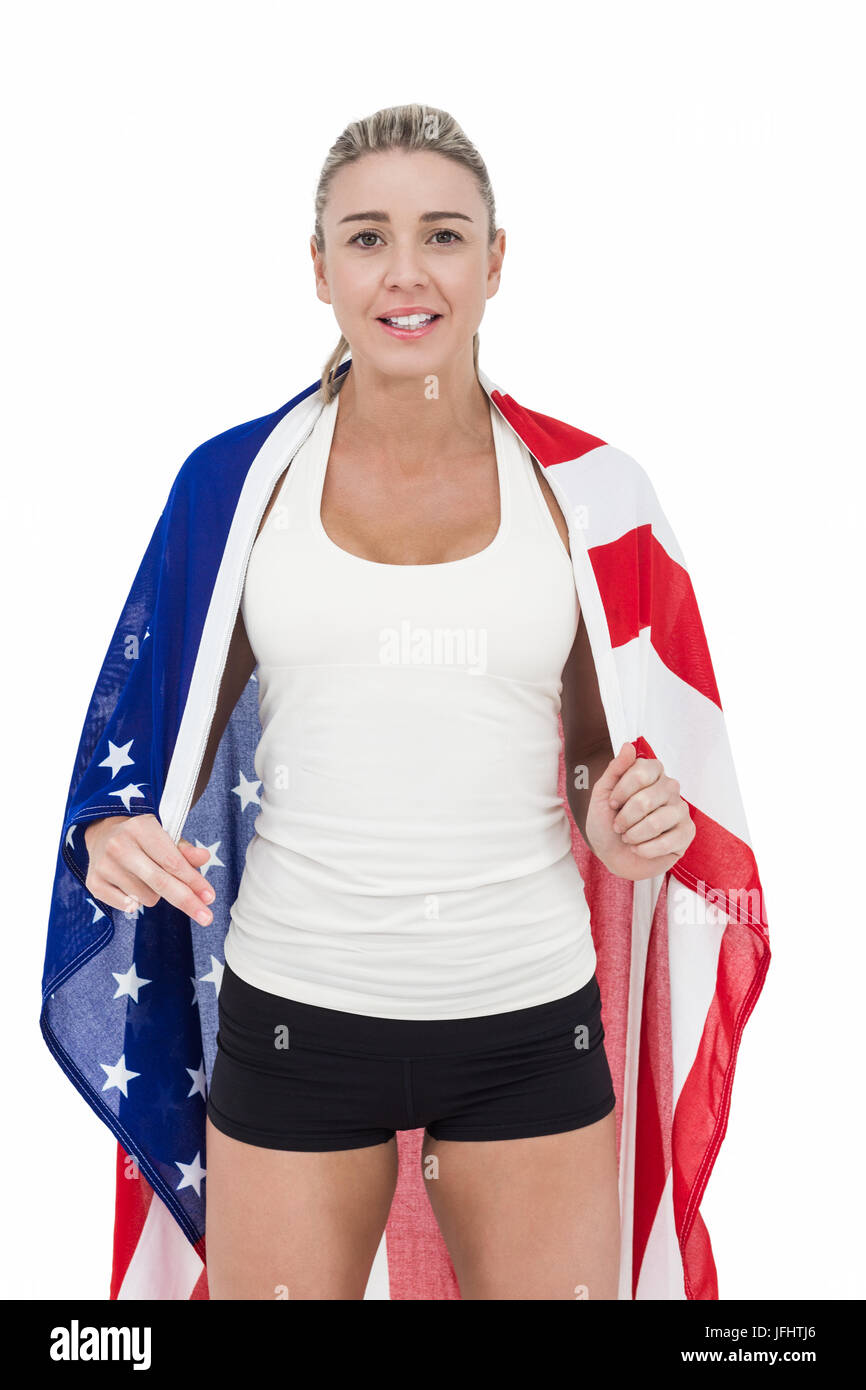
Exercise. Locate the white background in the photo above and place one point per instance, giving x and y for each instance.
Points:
(679, 184)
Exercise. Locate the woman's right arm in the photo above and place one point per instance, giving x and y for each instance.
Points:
(239, 666)
(588, 749)
(133, 857)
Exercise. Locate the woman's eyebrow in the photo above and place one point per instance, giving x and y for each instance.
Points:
(383, 217)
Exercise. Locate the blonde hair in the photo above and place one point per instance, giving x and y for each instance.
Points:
(397, 128)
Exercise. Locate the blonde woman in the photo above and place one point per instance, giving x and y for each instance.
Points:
(410, 909)
(410, 946)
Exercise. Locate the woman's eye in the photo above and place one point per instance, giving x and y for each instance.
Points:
(443, 231)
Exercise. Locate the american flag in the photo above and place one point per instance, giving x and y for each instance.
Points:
(129, 1001)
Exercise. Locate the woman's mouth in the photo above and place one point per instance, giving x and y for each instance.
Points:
(410, 325)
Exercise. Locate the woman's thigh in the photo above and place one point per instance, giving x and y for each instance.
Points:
(529, 1218)
(287, 1224)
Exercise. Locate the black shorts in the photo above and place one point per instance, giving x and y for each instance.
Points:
(289, 1075)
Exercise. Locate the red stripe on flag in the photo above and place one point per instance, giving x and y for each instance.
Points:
(419, 1266)
(722, 863)
(701, 1116)
(133, 1196)
(550, 441)
(718, 866)
(721, 868)
(641, 586)
(201, 1290)
(654, 1089)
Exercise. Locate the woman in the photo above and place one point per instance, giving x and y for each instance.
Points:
(410, 944)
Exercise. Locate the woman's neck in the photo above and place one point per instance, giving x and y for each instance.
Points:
(409, 419)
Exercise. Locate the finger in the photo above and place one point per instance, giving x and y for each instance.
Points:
(663, 792)
(615, 769)
(189, 849)
(150, 853)
(128, 870)
(123, 890)
(641, 774)
(171, 857)
(671, 842)
(663, 818)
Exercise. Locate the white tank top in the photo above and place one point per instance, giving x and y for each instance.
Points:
(412, 856)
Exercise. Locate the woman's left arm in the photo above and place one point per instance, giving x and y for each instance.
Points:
(637, 822)
(629, 812)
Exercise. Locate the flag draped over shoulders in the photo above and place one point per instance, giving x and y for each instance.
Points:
(129, 1000)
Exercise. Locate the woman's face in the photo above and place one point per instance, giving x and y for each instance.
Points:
(405, 230)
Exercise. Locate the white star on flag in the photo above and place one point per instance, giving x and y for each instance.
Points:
(214, 861)
(198, 1081)
(247, 792)
(117, 757)
(118, 1075)
(128, 792)
(216, 973)
(130, 983)
(192, 1174)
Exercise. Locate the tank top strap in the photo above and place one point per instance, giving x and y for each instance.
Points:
(530, 514)
(297, 494)
(524, 510)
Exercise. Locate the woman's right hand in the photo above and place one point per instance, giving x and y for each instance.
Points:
(134, 860)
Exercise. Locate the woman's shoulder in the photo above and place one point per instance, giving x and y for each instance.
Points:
(229, 453)
(214, 472)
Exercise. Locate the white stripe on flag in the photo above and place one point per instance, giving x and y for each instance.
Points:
(646, 892)
(164, 1264)
(685, 730)
(617, 496)
(661, 1273)
(378, 1284)
(694, 942)
(262, 476)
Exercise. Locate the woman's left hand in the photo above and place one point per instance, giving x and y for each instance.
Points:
(637, 822)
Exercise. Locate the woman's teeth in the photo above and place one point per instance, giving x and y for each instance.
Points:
(412, 321)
